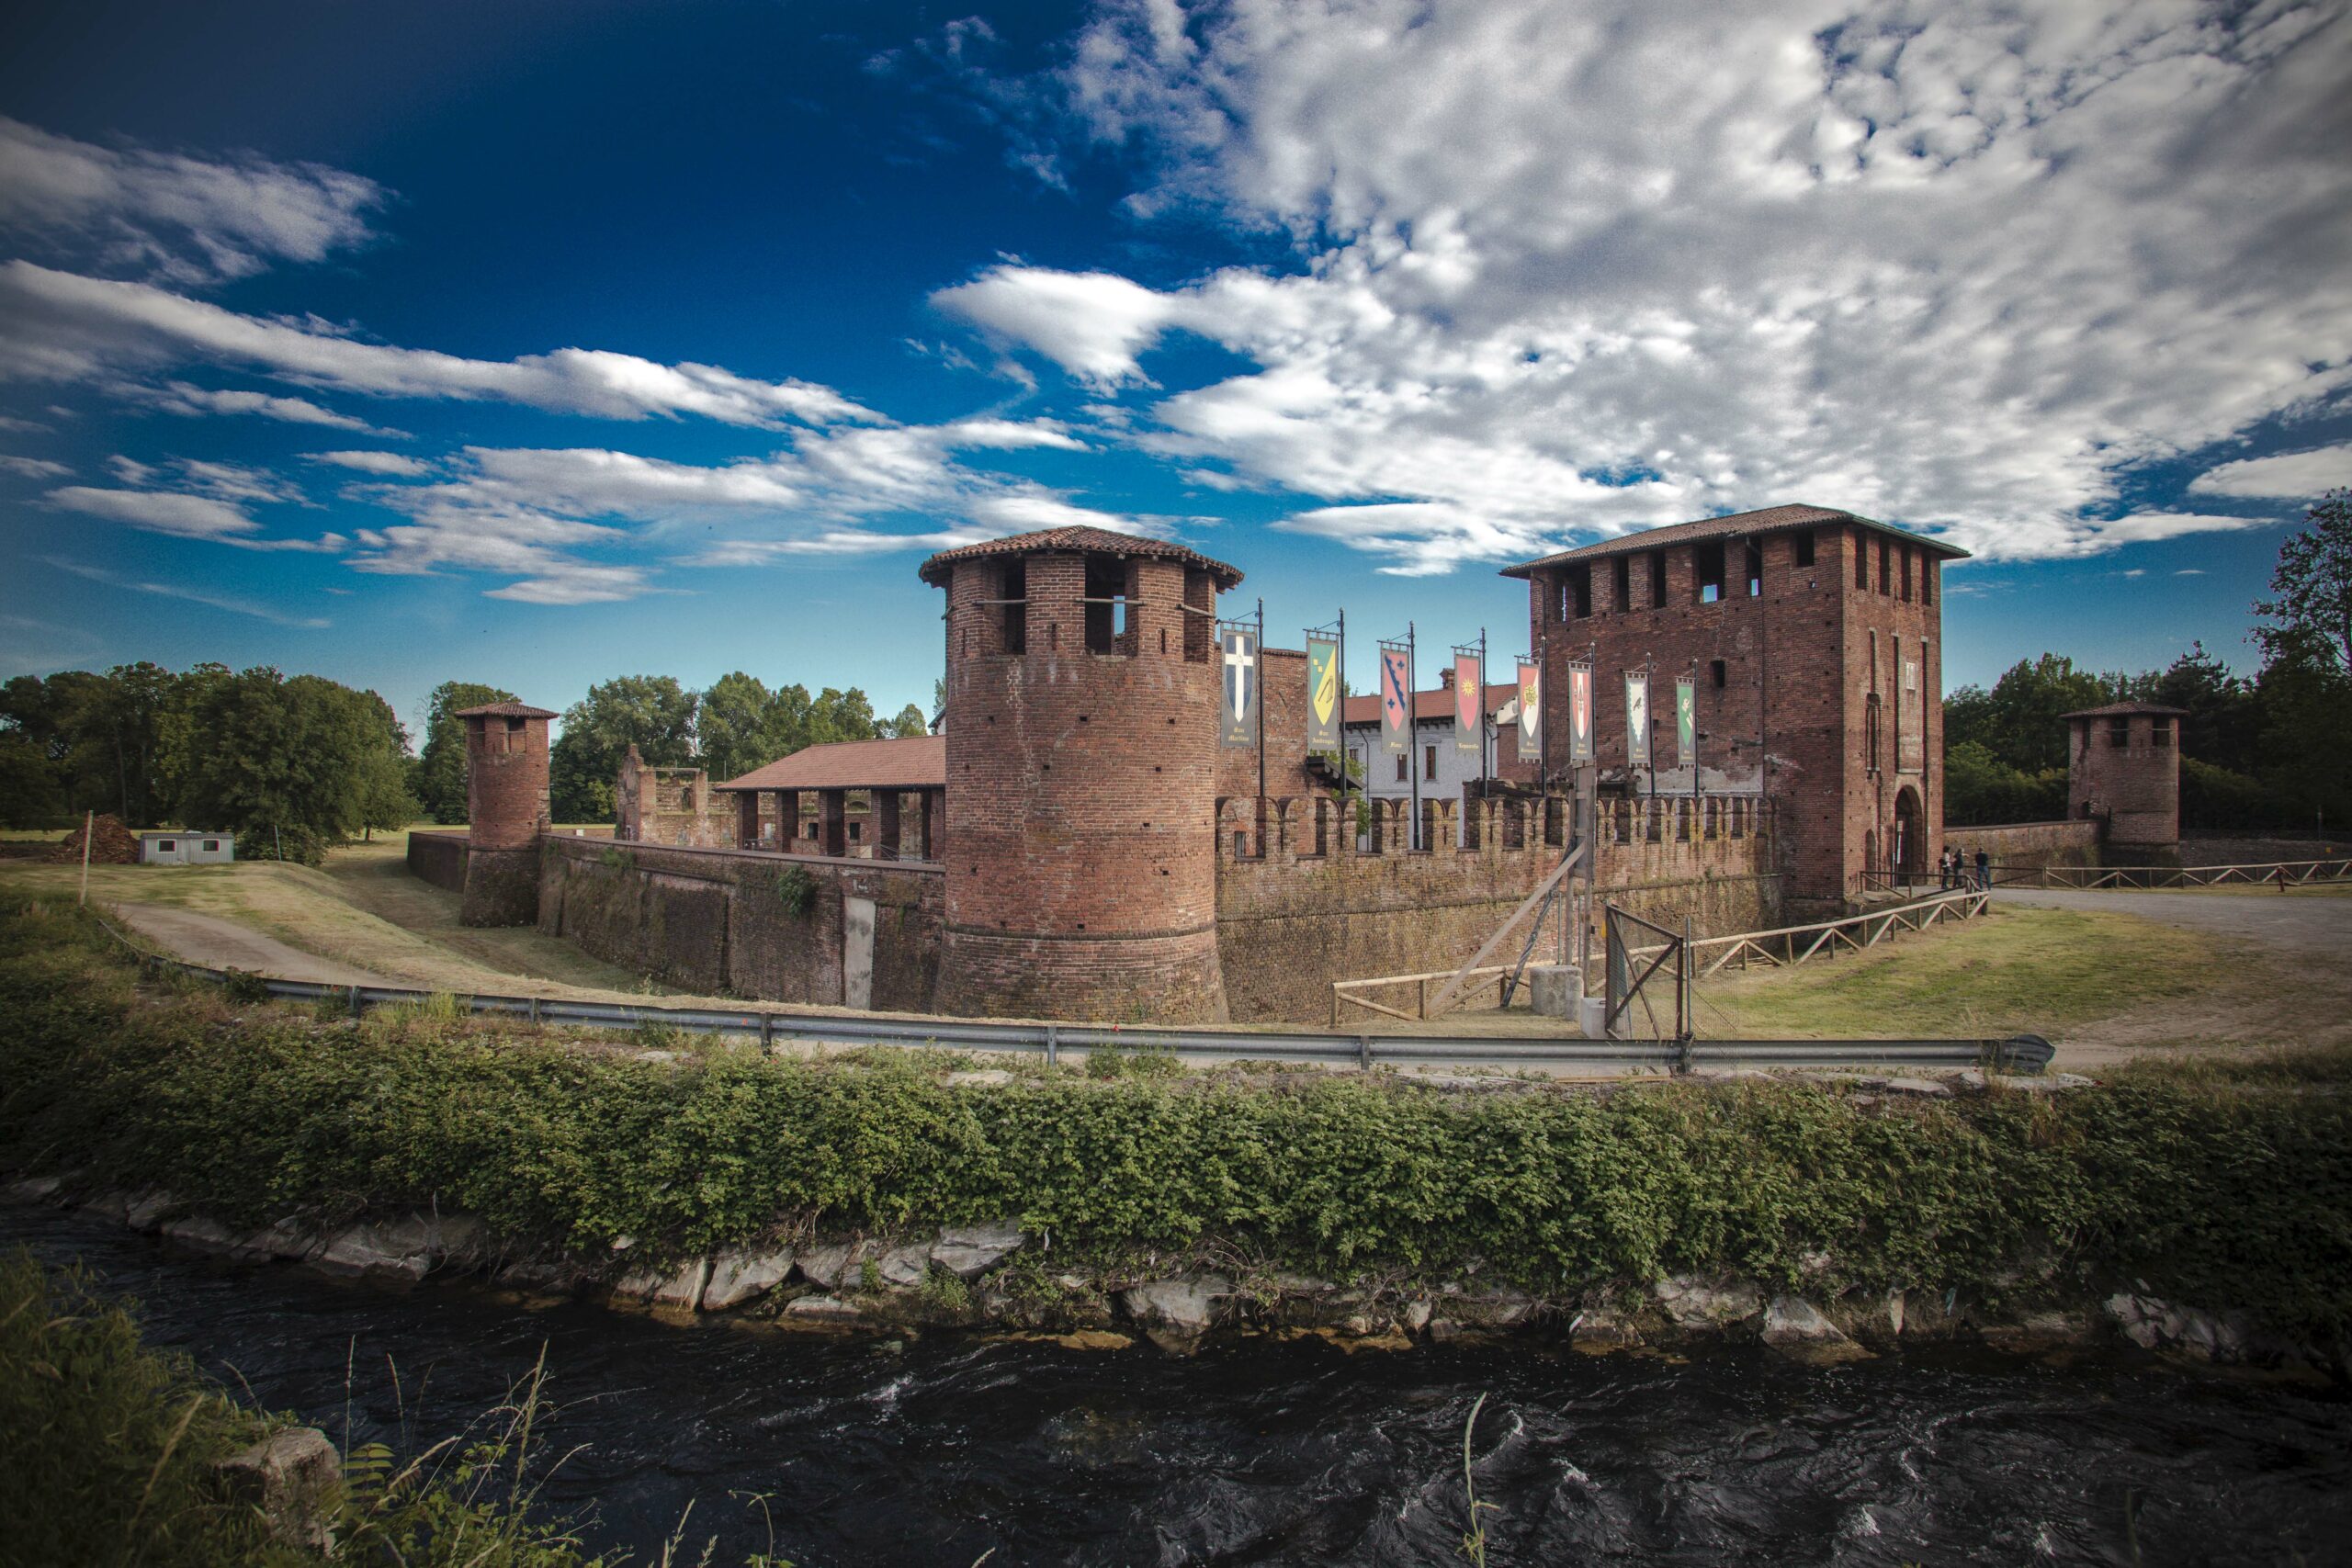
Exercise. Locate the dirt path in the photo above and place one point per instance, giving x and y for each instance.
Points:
(2281, 978)
(224, 944)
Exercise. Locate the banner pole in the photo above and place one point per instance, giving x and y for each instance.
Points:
(1261, 727)
(1412, 735)
(1481, 700)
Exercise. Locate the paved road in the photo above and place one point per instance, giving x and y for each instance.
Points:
(224, 944)
(2308, 925)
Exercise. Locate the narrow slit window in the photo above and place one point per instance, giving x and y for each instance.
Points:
(1015, 595)
(1623, 580)
(1755, 554)
(1861, 559)
(1658, 580)
(1716, 669)
(1804, 547)
(1579, 591)
(1709, 561)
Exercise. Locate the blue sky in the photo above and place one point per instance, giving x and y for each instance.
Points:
(539, 344)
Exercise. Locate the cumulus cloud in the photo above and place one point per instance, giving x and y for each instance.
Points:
(2290, 474)
(188, 220)
(1566, 269)
(63, 326)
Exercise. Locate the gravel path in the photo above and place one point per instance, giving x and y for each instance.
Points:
(224, 944)
(2303, 925)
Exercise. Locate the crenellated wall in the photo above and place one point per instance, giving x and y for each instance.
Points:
(723, 920)
(1303, 900)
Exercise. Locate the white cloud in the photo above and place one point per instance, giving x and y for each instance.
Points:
(32, 467)
(180, 397)
(192, 595)
(1956, 266)
(232, 482)
(389, 465)
(2290, 474)
(188, 218)
(62, 326)
(160, 511)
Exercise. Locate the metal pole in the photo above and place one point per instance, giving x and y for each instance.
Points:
(1261, 727)
(1481, 700)
(1412, 735)
(89, 827)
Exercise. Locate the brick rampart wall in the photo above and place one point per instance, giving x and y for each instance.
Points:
(439, 859)
(1313, 908)
(2029, 843)
(713, 920)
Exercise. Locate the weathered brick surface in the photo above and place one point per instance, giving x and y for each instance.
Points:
(1283, 689)
(1081, 872)
(671, 806)
(439, 859)
(506, 801)
(2135, 786)
(2029, 843)
(716, 920)
(1800, 660)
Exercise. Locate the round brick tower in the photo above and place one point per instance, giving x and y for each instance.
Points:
(1081, 841)
(2124, 767)
(506, 805)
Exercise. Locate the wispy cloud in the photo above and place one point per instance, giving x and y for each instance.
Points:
(181, 398)
(386, 465)
(2288, 475)
(32, 467)
(192, 595)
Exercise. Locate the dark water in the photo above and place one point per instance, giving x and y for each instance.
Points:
(948, 1447)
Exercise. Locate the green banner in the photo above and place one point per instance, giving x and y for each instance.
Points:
(1686, 723)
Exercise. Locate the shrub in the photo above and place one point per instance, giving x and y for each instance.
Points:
(796, 890)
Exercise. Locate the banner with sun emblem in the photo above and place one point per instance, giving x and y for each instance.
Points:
(1469, 704)
(1531, 712)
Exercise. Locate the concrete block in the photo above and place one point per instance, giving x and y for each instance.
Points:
(1554, 989)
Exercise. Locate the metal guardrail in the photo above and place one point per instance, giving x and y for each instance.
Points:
(2024, 1053)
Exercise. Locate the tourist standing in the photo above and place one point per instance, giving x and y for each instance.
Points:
(1983, 872)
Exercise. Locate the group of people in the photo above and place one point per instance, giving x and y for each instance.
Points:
(1952, 871)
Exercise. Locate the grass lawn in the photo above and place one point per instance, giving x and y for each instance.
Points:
(2011, 971)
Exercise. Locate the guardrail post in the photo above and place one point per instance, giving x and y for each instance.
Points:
(1364, 1053)
(535, 1011)
(1053, 1047)
(768, 1031)
(358, 1007)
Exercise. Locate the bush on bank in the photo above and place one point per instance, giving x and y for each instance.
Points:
(2225, 1193)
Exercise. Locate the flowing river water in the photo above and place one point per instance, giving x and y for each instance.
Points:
(937, 1450)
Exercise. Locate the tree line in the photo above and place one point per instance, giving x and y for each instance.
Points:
(299, 762)
(2270, 751)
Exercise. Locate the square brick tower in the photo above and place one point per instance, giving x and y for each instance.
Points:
(1815, 639)
(2123, 768)
(1082, 778)
(506, 806)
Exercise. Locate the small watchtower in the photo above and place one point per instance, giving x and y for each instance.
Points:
(1081, 734)
(2123, 768)
(506, 808)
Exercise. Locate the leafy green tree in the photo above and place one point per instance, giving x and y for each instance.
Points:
(2223, 727)
(652, 712)
(1979, 788)
(2018, 722)
(742, 725)
(909, 723)
(2312, 585)
(2306, 743)
(440, 781)
(30, 795)
(267, 756)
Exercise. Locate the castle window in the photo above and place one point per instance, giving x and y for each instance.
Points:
(1622, 579)
(2118, 733)
(1106, 605)
(1886, 568)
(1927, 579)
(1708, 560)
(1870, 731)
(1717, 669)
(2160, 732)
(1578, 600)
(1755, 553)
(1658, 580)
(1014, 597)
(1429, 761)
(1401, 776)
(1861, 559)
(1903, 583)
(1200, 617)
(1804, 547)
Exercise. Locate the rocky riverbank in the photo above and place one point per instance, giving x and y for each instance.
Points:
(998, 1277)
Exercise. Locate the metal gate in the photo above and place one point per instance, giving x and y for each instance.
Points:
(1647, 965)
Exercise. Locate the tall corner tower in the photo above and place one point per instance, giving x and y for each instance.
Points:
(506, 806)
(1082, 722)
(2123, 768)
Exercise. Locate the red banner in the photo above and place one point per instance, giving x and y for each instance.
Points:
(1469, 704)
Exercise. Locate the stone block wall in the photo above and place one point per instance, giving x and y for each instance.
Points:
(2029, 843)
(439, 859)
(719, 920)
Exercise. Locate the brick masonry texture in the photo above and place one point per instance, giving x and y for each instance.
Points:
(2134, 787)
(715, 921)
(439, 859)
(1800, 662)
(1079, 858)
(2029, 843)
(506, 800)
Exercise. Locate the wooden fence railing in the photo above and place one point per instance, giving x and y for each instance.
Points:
(1788, 945)
(2271, 874)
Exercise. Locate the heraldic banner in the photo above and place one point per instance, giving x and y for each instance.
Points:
(1637, 720)
(1531, 712)
(1240, 726)
(1686, 724)
(1322, 694)
(1469, 704)
(1396, 702)
(1579, 713)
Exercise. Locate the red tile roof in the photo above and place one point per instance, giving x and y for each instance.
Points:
(1093, 540)
(1798, 514)
(920, 761)
(1438, 704)
(503, 710)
